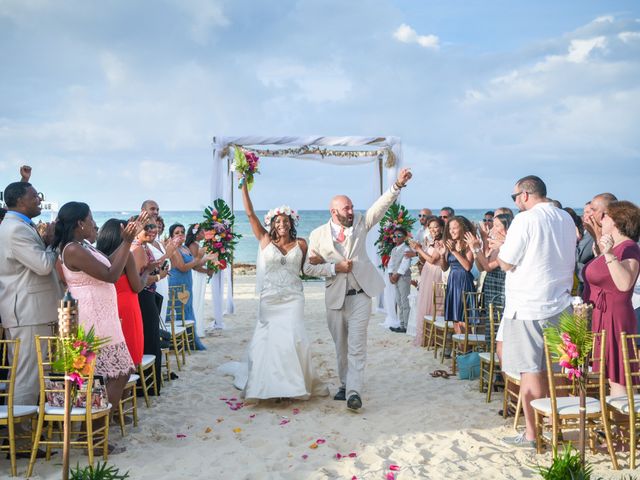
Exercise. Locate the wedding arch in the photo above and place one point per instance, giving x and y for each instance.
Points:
(384, 154)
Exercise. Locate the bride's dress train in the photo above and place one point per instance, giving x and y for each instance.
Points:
(279, 359)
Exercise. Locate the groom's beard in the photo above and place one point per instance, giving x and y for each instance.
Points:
(345, 221)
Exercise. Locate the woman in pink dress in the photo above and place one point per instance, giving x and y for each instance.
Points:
(431, 272)
(609, 281)
(90, 276)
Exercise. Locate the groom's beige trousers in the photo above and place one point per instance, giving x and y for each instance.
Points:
(348, 327)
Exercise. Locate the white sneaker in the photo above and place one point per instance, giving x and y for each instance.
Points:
(519, 440)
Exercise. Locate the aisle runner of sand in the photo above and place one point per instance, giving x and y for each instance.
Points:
(429, 428)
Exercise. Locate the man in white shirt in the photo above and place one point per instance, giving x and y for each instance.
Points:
(538, 255)
(399, 270)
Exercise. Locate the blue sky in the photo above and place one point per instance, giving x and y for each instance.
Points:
(115, 102)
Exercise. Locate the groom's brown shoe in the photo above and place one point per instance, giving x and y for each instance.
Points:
(341, 395)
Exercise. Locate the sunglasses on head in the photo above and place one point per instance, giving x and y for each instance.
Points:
(148, 228)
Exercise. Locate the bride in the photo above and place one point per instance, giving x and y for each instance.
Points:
(279, 358)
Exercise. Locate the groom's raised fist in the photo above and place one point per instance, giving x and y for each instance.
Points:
(403, 177)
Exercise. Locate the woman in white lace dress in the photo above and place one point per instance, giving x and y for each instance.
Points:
(279, 356)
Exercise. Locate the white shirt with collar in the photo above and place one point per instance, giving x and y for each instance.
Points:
(541, 245)
(398, 263)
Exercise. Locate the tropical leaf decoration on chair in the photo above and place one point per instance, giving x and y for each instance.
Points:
(396, 217)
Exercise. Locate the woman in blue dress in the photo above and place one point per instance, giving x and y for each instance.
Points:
(182, 262)
(456, 256)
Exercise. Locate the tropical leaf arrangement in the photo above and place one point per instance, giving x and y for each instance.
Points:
(396, 217)
(570, 344)
(75, 355)
(566, 466)
(219, 236)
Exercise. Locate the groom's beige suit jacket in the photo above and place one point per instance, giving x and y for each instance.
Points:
(354, 248)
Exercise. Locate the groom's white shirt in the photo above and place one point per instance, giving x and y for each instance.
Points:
(323, 241)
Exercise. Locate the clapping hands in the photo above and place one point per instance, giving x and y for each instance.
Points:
(472, 241)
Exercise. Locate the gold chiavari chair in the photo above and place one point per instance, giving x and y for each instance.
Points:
(436, 319)
(489, 361)
(178, 298)
(624, 411)
(129, 402)
(560, 412)
(52, 387)
(11, 414)
(147, 374)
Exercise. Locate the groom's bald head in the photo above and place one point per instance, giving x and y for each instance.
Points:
(341, 209)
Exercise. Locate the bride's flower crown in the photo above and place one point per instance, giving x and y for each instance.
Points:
(281, 210)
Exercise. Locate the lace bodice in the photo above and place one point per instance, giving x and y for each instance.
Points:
(281, 272)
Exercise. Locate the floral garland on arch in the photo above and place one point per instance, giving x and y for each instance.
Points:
(396, 217)
(219, 236)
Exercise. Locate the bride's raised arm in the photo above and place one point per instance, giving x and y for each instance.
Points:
(256, 225)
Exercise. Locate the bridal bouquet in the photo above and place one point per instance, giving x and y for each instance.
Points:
(75, 354)
(219, 236)
(245, 163)
(396, 217)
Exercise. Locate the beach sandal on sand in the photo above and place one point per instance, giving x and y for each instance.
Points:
(440, 373)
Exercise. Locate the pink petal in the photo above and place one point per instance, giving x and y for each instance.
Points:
(223, 398)
(233, 399)
(395, 468)
(338, 456)
(305, 456)
(253, 415)
(391, 476)
(353, 454)
(181, 435)
(354, 478)
(320, 441)
(296, 411)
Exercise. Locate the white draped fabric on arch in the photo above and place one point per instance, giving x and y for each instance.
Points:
(383, 154)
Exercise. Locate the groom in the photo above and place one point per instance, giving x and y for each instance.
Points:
(339, 253)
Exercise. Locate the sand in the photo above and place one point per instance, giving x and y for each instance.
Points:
(428, 427)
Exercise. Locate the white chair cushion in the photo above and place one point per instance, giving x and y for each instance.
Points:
(49, 410)
(471, 337)
(440, 323)
(621, 404)
(486, 356)
(566, 405)
(18, 410)
(189, 323)
(147, 360)
(133, 378)
(512, 375)
(179, 330)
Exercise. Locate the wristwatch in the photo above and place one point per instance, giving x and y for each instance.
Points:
(476, 250)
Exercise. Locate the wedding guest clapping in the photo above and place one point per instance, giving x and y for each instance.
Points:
(180, 274)
(609, 282)
(91, 276)
(456, 256)
(201, 275)
(431, 273)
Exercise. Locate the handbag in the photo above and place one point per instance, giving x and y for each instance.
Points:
(468, 366)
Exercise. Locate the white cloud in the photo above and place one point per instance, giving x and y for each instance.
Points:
(114, 68)
(579, 50)
(315, 83)
(153, 173)
(629, 37)
(406, 34)
(205, 16)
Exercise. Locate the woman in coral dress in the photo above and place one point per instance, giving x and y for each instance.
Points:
(609, 281)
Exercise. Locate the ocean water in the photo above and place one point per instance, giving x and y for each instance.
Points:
(248, 246)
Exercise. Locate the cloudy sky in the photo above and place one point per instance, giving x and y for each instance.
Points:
(114, 102)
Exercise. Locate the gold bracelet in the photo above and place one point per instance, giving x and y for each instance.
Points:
(614, 259)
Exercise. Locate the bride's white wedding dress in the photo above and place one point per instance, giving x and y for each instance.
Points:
(279, 359)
